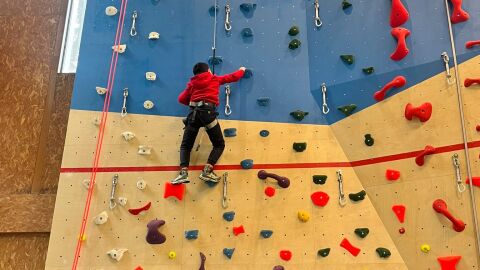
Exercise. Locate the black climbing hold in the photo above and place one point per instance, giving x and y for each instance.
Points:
(264, 133)
(294, 44)
(369, 141)
(348, 59)
(248, 73)
(347, 109)
(263, 101)
(230, 132)
(357, 196)
(247, 8)
(299, 115)
(294, 30)
(247, 164)
(319, 179)
(190, 235)
(383, 252)
(228, 252)
(266, 233)
(247, 32)
(368, 70)
(323, 252)
(212, 10)
(346, 4)
(214, 61)
(229, 216)
(362, 232)
(299, 147)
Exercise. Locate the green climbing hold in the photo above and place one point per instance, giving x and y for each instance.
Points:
(347, 109)
(357, 196)
(383, 252)
(319, 179)
(348, 59)
(362, 232)
(323, 252)
(346, 4)
(299, 147)
(294, 44)
(299, 115)
(368, 70)
(294, 30)
(369, 141)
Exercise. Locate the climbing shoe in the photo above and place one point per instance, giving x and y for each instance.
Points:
(182, 178)
(208, 175)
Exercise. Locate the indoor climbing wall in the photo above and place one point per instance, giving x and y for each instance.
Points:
(317, 125)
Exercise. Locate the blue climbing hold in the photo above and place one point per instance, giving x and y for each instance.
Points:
(230, 132)
(264, 133)
(191, 235)
(247, 164)
(211, 184)
(247, 32)
(248, 73)
(215, 61)
(229, 216)
(263, 101)
(228, 252)
(266, 233)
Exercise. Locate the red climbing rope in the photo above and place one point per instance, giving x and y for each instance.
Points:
(101, 132)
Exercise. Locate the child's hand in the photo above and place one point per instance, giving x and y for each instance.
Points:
(242, 68)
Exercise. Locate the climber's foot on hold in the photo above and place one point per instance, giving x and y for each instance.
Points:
(208, 175)
(182, 178)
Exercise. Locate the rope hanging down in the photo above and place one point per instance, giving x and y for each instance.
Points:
(214, 47)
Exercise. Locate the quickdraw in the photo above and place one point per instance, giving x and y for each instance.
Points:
(228, 110)
(458, 178)
(325, 108)
(228, 23)
(446, 60)
(318, 22)
(225, 184)
(341, 197)
(124, 107)
(133, 30)
(113, 202)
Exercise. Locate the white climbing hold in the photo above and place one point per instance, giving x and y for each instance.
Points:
(153, 35)
(128, 136)
(101, 218)
(141, 184)
(101, 90)
(117, 254)
(111, 11)
(144, 150)
(148, 104)
(151, 76)
(119, 48)
(96, 121)
(122, 201)
(86, 183)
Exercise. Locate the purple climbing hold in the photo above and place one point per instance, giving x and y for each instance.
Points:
(154, 237)
(203, 258)
(278, 267)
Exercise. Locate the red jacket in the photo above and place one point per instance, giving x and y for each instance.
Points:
(204, 87)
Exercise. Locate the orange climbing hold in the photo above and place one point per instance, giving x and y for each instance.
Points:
(468, 82)
(320, 198)
(397, 82)
(399, 211)
(349, 247)
(458, 14)
(422, 112)
(269, 191)
(399, 14)
(420, 159)
(238, 230)
(476, 181)
(392, 175)
(400, 34)
(449, 263)
(286, 255)
(177, 191)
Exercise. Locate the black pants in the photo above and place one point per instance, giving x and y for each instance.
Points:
(196, 119)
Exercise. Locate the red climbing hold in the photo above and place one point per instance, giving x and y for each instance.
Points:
(286, 255)
(398, 81)
(399, 211)
(468, 82)
(138, 268)
(238, 230)
(320, 198)
(422, 112)
(351, 248)
(177, 191)
(476, 181)
(136, 211)
(440, 206)
(472, 43)
(420, 159)
(399, 14)
(269, 191)
(449, 263)
(392, 175)
(458, 14)
(477, 128)
(401, 51)
(401, 230)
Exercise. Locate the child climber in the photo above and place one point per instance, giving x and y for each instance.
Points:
(201, 95)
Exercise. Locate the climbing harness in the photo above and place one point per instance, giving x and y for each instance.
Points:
(133, 30)
(341, 197)
(325, 108)
(228, 110)
(446, 59)
(124, 107)
(228, 23)
(476, 225)
(224, 198)
(214, 47)
(113, 203)
(456, 164)
(318, 22)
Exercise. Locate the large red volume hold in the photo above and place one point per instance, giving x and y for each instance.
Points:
(422, 112)
(399, 211)
(472, 43)
(399, 14)
(449, 263)
(458, 14)
(177, 191)
(476, 181)
(397, 82)
(440, 206)
(400, 34)
(469, 81)
(349, 247)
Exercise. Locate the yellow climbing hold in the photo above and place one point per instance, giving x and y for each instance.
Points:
(172, 255)
(82, 237)
(303, 216)
(425, 248)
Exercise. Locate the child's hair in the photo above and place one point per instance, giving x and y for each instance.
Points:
(200, 68)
